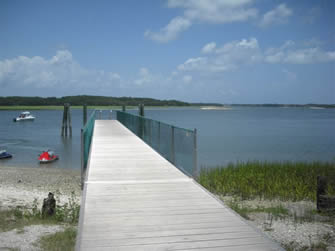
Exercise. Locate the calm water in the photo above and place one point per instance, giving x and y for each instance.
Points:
(224, 136)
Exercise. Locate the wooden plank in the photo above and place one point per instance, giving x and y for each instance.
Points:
(137, 200)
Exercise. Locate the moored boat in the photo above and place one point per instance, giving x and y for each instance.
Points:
(24, 116)
(47, 157)
(4, 154)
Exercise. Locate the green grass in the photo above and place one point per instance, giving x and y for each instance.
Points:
(265, 180)
(20, 217)
(276, 212)
(60, 241)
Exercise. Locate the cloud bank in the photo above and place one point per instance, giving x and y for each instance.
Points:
(234, 54)
(58, 72)
(199, 11)
(278, 15)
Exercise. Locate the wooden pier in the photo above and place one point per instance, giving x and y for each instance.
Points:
(134, 199)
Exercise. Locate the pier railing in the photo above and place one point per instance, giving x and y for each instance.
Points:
(86, 138)
(177, 145)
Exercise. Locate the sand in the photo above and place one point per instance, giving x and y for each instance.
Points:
(19, 186)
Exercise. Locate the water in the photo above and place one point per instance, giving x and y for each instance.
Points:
(240, 134)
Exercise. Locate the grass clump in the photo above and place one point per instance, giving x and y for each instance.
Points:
(19, 217)
(244, 211)
(60, 241)
(265, 180)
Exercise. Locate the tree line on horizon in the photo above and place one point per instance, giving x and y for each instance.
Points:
(120, 101)
(91, 101)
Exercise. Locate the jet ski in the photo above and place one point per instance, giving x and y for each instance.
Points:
(4, 154)
(47, 157)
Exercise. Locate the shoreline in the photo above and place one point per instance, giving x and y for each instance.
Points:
(20, 186)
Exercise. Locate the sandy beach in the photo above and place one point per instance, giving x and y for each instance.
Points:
(19, 186)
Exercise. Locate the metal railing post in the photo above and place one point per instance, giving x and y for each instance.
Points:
(159, 137)
(84, 114)
(173, 157)
(195, 155)
(82, 159)
(150, 133)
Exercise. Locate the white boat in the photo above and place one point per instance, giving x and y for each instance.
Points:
(24, 116)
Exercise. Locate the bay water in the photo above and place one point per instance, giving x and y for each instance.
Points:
(237, 134)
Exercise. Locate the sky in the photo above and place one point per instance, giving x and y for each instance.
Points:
(225, 51)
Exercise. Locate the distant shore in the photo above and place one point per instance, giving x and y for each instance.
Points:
(202, 107)
(20, 185)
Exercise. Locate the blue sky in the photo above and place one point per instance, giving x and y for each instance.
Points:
(226, 51)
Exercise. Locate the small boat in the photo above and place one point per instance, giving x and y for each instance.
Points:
(24, 116)
(47, 157)
(4, 154)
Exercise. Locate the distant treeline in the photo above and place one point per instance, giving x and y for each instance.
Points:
(288, 105)
(88, 100)
(93, 101)
(119, 101)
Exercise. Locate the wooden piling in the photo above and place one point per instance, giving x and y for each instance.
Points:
(66, 124)
(69, 120)
(324, 202)
(84, 114)
(141, 110)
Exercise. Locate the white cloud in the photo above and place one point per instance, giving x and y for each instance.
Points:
(187, 79)
(199, 11)
(144, 77)
(278, 15)
(225, 58)
(193, 64)
(60, 72)
(298, 56)
(216, 11)
(235, 54)
(208, 48)
(170, 31)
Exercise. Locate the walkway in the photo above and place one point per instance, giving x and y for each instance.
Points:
(134, 199)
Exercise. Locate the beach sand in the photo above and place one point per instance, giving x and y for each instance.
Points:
(19, 186)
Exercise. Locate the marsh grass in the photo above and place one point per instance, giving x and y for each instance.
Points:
(19, 217)
(267, 180)
(275, 212)
(60, 241)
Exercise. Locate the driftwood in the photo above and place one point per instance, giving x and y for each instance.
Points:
(49, 206)
(324, 202)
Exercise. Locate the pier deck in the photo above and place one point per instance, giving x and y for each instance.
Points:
(134, 199)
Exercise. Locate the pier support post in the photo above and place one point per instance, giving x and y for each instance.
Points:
(141, 110)
(66, 124)
(82, 167)
(123, 108)
(141, 121)
(84, 114)
(173, 157)
(195, 155)
(159, 137)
